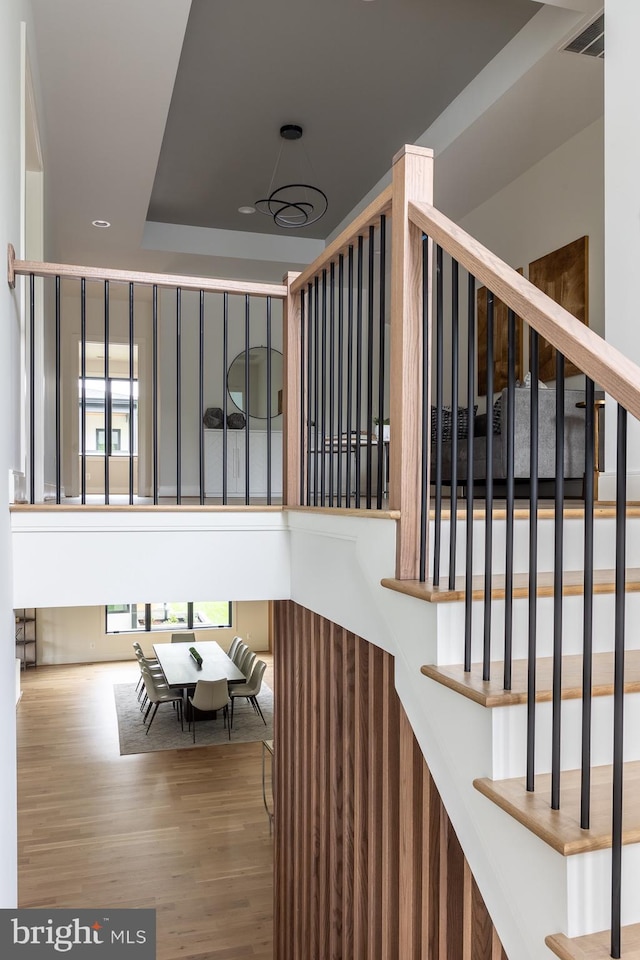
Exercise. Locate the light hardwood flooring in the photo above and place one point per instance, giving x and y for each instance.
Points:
(183, 831)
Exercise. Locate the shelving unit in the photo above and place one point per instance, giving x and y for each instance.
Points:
(26, 641)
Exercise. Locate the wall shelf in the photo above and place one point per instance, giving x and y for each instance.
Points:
(26, 641)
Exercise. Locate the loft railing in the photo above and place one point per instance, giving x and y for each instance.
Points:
(122, 369)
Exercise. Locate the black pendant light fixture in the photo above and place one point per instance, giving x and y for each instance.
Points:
(293, 204)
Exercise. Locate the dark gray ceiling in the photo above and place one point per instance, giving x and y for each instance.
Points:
(362, 78)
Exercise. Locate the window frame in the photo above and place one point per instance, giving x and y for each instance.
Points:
(150, 628)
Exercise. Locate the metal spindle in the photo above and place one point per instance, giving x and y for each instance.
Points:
(359, 273)
(107, 395)
(131, 376)
(343, 451)
(323, 392)
(154, 389)
(316, 391)
(303, 389)
(618, 683)
(201, 396)
(178, 395)
(468, 573)
(332, 347)
(382, 459)
(556, 722)
(32, 388)
(425, 413)
(370, 325)
(349, 479)
(269, 358)
(587, 650)
(511, 431)
(310, 342)
(453, 523)
(534, 349)
(437, 531)
(225, 367)
(247, 396)
(488, 517)
(83, 391)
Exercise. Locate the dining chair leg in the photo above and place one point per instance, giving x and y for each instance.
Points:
(149, 705)
(227, 721)
(152, 716)
(258, 710)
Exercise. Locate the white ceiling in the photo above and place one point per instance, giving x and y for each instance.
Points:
(167, 163)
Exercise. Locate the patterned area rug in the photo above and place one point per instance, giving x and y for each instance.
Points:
(165, 733)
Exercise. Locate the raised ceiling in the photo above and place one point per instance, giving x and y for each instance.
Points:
(361, 78)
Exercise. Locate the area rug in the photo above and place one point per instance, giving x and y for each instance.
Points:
(165, 732)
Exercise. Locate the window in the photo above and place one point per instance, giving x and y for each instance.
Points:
(136, 617)
(115, 440)
(114, 398)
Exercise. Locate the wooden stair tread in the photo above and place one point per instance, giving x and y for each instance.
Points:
(595, 946)
(561, 828)
(490, 693)
(572, 585)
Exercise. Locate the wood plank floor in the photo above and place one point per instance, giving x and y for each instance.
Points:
(183, 831)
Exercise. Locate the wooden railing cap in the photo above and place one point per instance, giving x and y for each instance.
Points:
(413, 149)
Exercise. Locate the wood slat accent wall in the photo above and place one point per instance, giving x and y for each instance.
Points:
(367, 864)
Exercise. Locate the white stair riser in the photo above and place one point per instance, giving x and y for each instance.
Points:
(451, 625)
(589, 890)
(573, 545)
(509, 735)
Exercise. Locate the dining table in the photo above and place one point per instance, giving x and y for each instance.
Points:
(181, 671)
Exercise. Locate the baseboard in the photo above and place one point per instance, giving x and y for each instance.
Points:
(607, 486)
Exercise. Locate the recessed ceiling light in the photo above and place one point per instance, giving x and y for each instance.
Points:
(246, 209)
(100, 223)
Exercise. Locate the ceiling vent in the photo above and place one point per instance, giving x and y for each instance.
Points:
(590, 41)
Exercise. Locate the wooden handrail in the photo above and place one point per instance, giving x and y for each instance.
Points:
(368, 217)
(71, 272)
(607, 366)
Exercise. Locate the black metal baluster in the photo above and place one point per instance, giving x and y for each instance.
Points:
(488, 517)
(310, 445)
(369, 463)
(247, 394)
(154, 389)
(225, 393)
(511, 431)
(32, 389)
(131, 398)
(178, 395)
(342, 451)
(83, 391)
(468, 574)
(556, 722)
(349, 481)
(382, 459)
(107, 395)
(618, 683)
(201, 396)
(304, 403)
(323, 392)
(453, 523)
(316, 393)
(425, 413)
(534, 349)
(332, 347)
(359, 292)
(587, 649)
(437, 527)
(268, 400)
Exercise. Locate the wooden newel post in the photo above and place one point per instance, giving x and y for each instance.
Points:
(412, 180)
(291, 405)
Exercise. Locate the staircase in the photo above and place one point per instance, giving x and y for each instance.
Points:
(552, 848)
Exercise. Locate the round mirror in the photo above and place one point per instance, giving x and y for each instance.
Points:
(256, 402)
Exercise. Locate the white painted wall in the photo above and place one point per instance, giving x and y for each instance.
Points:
(556, 201)
(13, 12)
(77, 634)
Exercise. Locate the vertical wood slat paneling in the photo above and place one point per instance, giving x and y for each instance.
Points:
(367, 863)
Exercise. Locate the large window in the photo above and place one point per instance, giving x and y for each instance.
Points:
(189, 615)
